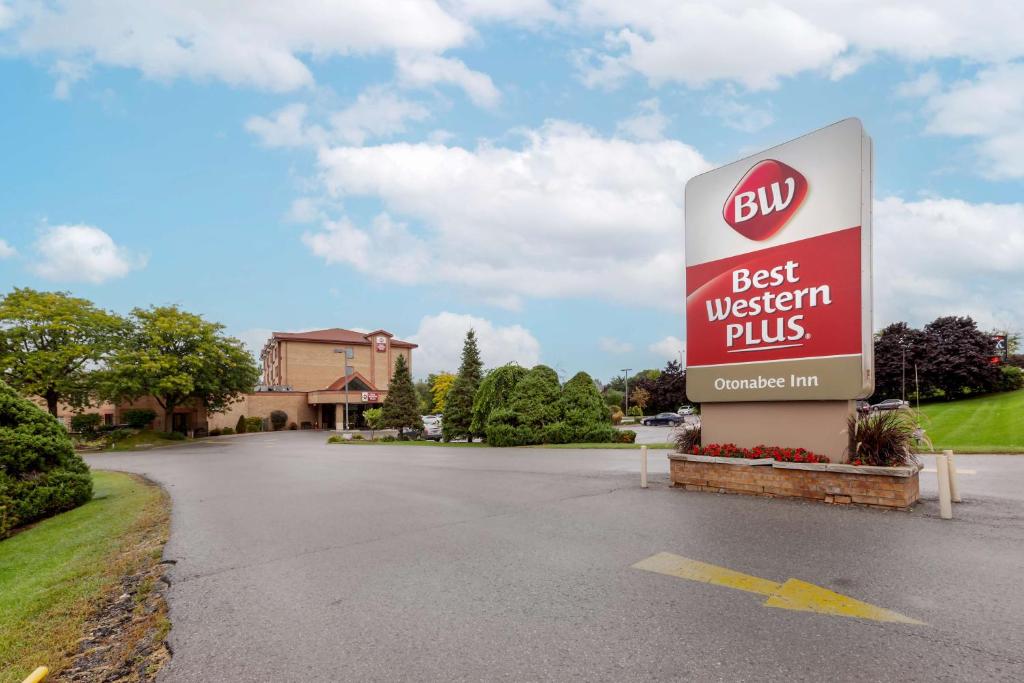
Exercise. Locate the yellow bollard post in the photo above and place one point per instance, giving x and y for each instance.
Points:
(38, 675)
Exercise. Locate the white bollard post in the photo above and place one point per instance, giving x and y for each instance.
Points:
(942, 468)
(643, 467)
(954, 485)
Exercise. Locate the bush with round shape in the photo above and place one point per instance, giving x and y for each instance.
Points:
(138, 418)
(536, 400)
(616, 414)
(215, 432)
(599, 434)
(40, 473)
(625, 436)
(85, 423)
(278, 419)
(254, 424)
(292, 426)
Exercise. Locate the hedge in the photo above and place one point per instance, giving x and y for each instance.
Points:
(40, 473)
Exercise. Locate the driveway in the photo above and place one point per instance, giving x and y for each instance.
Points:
(299, 561)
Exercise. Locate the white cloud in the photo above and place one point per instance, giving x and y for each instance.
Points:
(6, 250)
(83, 253)
(440, 339)
(611, 345)
(755, 45)
(254, 339)
(376, 113)
(259, 43)
(424, 70)
(67, 74)
(946, 256)
(669, 348)
(925, 84)
(547, 219)
(727, 107)
(989, 109)
(648, 124)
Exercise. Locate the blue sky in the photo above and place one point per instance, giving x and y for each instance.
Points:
(514, 166)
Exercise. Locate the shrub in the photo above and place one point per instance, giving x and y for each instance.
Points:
(357, 437)
(494, 392)
(616, 414)
(292, 426)
(636, 411)
(226, 431)
(598, 434)
(625, 436)
(119, 435)
(556, 432)
(215, 432)
(254, 424)
(278, 419)
(881, 438)
(240, 425)
(86, 423)
(536, 400)
(388, 437)
(504, 435)
(40, 473)
(687, 439)
(1011, 378)
(172, 436)
(139, 418)
(335, 439)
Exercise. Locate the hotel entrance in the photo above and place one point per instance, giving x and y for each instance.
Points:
(328, 416)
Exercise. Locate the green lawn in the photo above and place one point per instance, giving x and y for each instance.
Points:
(53, 574)
(987, 424)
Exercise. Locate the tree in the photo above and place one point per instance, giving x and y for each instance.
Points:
(240, 425)
(423, 394)
(640, 398)
(898, 349)
(401, 407)
(440, 386)
(536, 398)
(493, 393)
(669, 389)
(458, 413)
(51, 345)
(373, 417)
(178, 357)
(40, 473)
(960, 358)
(582, 408)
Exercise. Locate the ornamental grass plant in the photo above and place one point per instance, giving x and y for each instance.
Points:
(882, 438)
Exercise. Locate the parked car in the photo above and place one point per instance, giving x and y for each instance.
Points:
(431, 428)
(687, 410)
(890, 404)
(670, 419)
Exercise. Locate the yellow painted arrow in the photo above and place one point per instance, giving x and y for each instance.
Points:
(793, 594)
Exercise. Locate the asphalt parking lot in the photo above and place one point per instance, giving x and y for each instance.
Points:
(296, 560)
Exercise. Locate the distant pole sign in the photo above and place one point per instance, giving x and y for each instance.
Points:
(778, 273)
(1002, 349)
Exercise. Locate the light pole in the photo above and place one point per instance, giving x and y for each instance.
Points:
(626, 370)
(348, 376)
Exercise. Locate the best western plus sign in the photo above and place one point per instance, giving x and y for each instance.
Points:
(778, 273)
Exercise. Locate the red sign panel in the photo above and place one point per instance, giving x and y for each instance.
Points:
(372, 397)
(795, 300)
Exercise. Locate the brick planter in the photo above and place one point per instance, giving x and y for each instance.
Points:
(887, 487)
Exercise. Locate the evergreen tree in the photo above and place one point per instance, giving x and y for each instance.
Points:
(240, 425)
(401, 407)
(458, 410)
(494, 393)
(582, 408)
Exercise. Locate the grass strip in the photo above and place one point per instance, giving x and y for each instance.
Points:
(55, 574)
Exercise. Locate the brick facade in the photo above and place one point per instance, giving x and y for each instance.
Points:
(838, 484)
